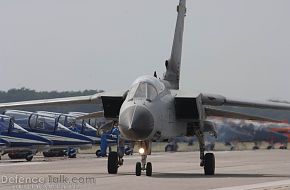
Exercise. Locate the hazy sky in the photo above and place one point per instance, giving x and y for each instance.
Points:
(236, 48)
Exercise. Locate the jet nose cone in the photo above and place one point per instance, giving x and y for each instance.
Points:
(136, 123)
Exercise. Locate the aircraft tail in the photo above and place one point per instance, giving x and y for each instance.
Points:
(172, 73)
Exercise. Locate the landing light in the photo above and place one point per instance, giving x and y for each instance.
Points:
(141, 150)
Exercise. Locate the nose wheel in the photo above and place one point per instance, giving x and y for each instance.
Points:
(147, 168)
(143, 166)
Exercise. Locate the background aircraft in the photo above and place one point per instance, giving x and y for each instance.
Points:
(19, 143)
(155, 109)
(64, 140)
(232, 132)
(76, 125)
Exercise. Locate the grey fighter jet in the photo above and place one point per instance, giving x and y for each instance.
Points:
(155, 109)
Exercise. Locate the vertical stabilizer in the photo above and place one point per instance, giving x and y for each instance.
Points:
(173, 64)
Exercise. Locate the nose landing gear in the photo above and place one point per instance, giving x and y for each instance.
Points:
(143, 166)
(144, 150)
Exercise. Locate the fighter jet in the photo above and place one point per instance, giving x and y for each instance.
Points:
(156, 109)
(19, 143)
(64, 140)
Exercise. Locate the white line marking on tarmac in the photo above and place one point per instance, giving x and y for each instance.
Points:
(267, 185)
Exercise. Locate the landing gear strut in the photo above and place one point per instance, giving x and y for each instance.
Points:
(144, 150)
(207, 161)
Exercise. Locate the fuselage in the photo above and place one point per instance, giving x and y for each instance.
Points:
(148, 112)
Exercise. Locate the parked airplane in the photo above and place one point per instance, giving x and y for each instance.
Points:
(19, 143)
(64, 140)
(232, 132)
(96, 120)
(75, 125)
(155, 109)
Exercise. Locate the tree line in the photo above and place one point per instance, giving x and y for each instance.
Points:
(24, 94)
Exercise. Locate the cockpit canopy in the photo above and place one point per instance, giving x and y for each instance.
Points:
(7, 125)
(45, 123)
(145, 87)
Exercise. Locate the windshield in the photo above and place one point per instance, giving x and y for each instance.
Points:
(142, 90)
(17, 129)
(42, 123)
(7, 125)
(89, 128)
(4, 124)
(62, 119)
(93, 122)
(60, 127)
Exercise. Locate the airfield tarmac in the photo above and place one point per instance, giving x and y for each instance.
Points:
(235, 170)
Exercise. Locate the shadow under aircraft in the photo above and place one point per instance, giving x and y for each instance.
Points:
(18, 143)
(65, 141)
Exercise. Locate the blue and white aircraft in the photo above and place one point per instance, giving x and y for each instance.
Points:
(75, 125)
(64, 140)
(17, 142)
(105, 138)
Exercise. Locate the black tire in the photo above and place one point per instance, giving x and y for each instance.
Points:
(149, 169)
(168, 148)
(113, 163)
(209, 164)
(138, 169)
(72, 155)
(128, 151)
(98, 153)
(29, 157)
(256, 148)
(269, 147)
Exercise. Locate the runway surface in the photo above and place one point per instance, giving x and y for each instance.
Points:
(240, 170)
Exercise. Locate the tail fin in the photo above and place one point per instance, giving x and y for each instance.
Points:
(173, 64)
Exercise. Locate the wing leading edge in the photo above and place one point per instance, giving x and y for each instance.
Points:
(218, 100)
(94, 99)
